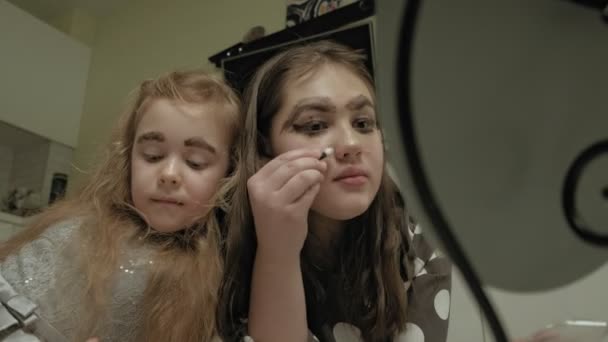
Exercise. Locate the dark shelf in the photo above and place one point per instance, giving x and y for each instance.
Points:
(333, 20)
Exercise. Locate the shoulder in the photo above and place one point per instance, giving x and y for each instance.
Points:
(429, 288)
(421, 256)
(38, 258)
(62, 230)
(31, 273)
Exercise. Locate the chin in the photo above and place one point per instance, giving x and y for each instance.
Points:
(341, 211)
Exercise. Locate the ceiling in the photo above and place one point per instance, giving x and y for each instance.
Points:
(47, 10)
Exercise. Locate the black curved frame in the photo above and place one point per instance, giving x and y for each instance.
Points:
(575, 220)
(422, 185)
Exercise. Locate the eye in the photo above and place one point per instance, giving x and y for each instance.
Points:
(365, 124)
(195, 165)
(152, 158)
(311, 127)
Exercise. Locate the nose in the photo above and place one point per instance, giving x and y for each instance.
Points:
(169, 175)
(347, 145)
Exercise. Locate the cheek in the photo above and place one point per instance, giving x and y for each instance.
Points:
(290, 141)
(135, 173)
(376, 155)
(281, 143)
(137, 183)
(203, 187)
(141, 172)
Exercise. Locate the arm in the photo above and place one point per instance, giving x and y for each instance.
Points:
(278, 305)
(281, 194)
(28, 276)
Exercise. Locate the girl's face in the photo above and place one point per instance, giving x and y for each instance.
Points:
(179, 156)
(333, 107)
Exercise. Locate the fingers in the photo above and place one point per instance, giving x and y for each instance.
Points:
(545, 335)
(270, 167)
(299, 185)
(294, 168)
(291, 179)
(309, 196)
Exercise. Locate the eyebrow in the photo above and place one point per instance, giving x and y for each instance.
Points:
(318, 103)
(359, 102)
(324, 104)
(200, 143)
(190, 142)
(151, 136)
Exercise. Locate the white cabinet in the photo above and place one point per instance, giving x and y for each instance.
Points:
(44, 74)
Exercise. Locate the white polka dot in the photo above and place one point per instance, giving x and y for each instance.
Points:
(433, 256)
(422, 272)
(344, 332)
(442, 304)
(418, 229)
(418, 266)
(407, 285)
(412, 333)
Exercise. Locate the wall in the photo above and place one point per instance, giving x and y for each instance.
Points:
(59, 161)
(526, 313)
(30, 161)
(6, 163)
(29, 164)
(23, 158)
(78, 24)
(146, 38)
(43, 79)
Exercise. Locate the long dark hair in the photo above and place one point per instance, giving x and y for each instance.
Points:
(371, 251)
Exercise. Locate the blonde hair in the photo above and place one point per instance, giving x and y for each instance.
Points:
(374, 243)
(181, 295)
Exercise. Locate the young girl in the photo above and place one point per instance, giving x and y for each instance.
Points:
(133, 257)
(318, 234)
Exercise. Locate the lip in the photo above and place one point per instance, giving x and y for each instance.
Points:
(352, 176)
(167, 200)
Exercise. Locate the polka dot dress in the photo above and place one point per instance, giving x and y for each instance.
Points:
(428, 293)
(428, 299)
